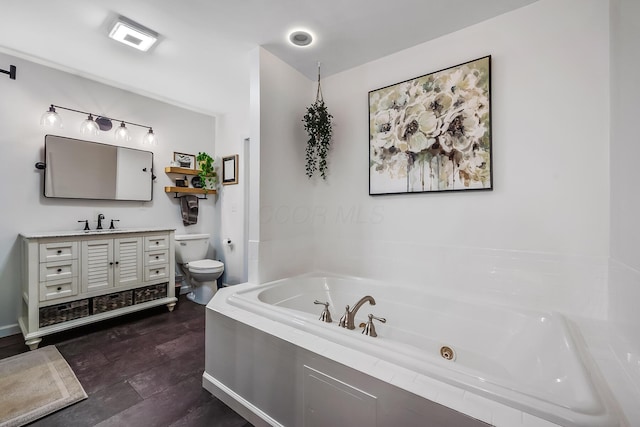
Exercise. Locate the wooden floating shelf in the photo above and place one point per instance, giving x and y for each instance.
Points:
(182, 171)
(189, 190)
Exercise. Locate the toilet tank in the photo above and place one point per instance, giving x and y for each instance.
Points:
(191, 247)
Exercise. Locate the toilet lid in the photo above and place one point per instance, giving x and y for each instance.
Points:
(205, 264)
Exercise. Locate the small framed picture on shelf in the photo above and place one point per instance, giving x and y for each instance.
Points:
(230, 170)
(184, 160)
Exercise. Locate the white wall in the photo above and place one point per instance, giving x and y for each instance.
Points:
(280, 242)
(232, 128)
(540, 238)
(21, 145)
(624, 281)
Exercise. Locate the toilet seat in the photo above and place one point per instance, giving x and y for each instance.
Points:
(205, 266)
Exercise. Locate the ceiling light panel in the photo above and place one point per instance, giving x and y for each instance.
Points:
(133, 34)
(301, 38)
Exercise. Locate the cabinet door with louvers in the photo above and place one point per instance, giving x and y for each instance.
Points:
(97, 264)
(128, 261)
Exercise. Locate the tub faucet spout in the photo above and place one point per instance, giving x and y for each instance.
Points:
(347, 320)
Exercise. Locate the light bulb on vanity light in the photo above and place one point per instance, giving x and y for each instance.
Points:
(89, 126)
(122, 133)
(51, 118)
(150, 138)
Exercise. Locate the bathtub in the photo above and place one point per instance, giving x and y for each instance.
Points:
(530, 361)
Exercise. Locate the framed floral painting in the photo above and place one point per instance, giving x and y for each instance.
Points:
(432, 133)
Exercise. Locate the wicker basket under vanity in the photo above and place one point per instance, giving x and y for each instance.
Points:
(150, 293)
(110, 302)
(62, 312)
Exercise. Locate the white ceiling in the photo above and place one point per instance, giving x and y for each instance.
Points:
(202, 61)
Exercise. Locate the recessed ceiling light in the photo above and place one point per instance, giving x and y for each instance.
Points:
(301, 38)
(133, 34)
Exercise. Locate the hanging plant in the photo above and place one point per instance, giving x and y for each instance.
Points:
(317, 123)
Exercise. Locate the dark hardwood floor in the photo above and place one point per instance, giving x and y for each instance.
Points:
(143, 369)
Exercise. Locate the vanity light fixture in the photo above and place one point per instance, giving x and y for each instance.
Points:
(150, 138)
(51, 118)
(133, 34)
(122, 133)
(89, 126)
(92, 126)
(104, 123)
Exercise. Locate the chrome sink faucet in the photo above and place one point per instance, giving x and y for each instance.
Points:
(347, 320)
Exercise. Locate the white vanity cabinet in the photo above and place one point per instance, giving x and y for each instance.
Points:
(74, 278)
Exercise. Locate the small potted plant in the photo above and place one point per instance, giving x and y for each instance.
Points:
(206, 171)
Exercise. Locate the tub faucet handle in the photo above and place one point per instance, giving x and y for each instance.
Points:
(369, 328)
(344, 320)
(326, 315)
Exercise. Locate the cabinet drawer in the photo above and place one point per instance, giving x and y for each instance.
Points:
(156, 257)
(58, 251)
(58, 289)
(156, 272)
(56, 270)
(156, 242)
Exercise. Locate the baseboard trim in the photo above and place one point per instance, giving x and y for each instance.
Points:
(246, 409)
(5, 331)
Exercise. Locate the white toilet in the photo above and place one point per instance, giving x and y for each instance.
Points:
(202, 274)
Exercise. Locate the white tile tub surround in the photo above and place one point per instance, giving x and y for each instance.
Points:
(243, 305)
(273, 259)
(540, 281)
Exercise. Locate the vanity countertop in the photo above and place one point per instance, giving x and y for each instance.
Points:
(106, 231)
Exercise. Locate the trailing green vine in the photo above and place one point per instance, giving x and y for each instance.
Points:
(317, 123)
(207, 173)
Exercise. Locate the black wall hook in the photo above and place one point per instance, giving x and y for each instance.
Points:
(11, 72)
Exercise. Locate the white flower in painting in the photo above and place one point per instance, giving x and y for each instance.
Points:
(479, 104)
(441, 103)
(383, 128)
(391, 98)
(463, 81)
(461, 129)
(428, 123)
(416, 127)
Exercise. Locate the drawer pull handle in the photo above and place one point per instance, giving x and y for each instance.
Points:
(59, 270)
(157, 257)
(157, 243)
(59, 288)
(157, 271)
(59, 251)
(117, 262)
(111, 263)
